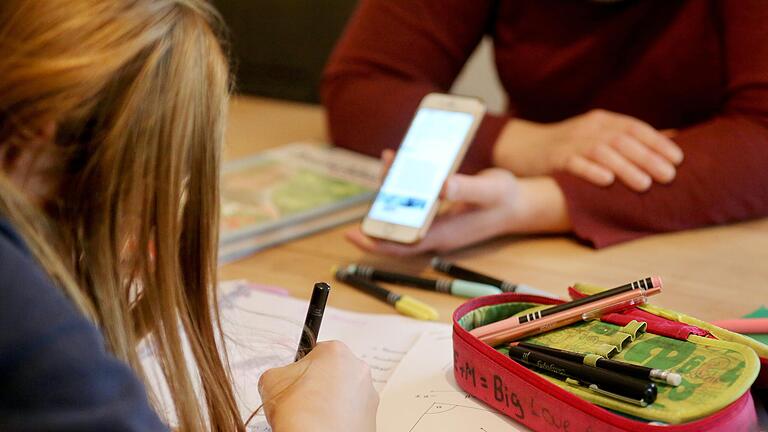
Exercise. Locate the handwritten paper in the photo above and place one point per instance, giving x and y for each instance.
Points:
(422, 395)
(262, 331)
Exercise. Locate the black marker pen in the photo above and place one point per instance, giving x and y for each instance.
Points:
(466, 274)
(313, 320)
(627, 389)
(456, 286)
(637, 371)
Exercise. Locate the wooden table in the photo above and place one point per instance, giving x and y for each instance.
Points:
(711, 273)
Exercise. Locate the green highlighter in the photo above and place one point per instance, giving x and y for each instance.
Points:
(455, 287)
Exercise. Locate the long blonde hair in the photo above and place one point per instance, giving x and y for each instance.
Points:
(138, 90)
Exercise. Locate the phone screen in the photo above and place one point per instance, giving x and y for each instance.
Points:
(423, 162)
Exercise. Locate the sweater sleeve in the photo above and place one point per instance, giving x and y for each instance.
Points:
(55, 372)
(392, 54)
(724, 177)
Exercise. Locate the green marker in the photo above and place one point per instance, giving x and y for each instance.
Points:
(456, 287)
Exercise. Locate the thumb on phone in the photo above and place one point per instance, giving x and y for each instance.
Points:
(484, 189)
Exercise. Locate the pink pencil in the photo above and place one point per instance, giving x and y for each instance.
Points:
(501, 331)
(744, 325)
(641, 284)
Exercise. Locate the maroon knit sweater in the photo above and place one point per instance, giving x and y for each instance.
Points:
(699, 66)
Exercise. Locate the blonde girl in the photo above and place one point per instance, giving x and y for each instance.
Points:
(111, 122)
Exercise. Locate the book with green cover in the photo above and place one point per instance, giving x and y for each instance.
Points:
(291, 191)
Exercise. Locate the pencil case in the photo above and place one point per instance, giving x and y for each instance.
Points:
(718, 367)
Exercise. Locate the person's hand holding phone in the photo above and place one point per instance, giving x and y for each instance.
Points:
(480, 207)
(432, 149)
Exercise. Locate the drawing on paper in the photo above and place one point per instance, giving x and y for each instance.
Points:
(460, 418)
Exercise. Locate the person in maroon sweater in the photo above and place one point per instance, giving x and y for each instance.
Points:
(625, 118)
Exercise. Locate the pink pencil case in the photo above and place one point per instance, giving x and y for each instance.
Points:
(545, 404)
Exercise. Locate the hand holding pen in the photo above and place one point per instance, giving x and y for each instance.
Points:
(295, 396)
(335, 374)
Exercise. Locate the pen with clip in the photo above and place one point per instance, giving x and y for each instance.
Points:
(641, 284)
(637, 371)
(510, 329)
(603, 381)
(456, 286)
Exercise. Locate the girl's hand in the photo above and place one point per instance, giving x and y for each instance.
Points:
(598, 146)
(481, 207)
(328, 390)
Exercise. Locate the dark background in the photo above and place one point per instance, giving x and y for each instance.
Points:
(279, 47)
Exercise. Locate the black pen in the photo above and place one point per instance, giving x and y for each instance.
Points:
(602, 381)
(637, 371)
(313, 320)
(456, 286)
(459, 272)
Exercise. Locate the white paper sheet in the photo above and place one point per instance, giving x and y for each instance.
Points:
(422, 395)
(262, 331)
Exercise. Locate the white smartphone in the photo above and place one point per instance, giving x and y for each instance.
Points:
(432, 149)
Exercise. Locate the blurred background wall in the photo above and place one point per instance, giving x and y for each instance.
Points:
(280, 48)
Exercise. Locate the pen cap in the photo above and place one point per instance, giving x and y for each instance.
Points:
(639, 297)
(472, 289)
(319, 299)
(413, 308)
